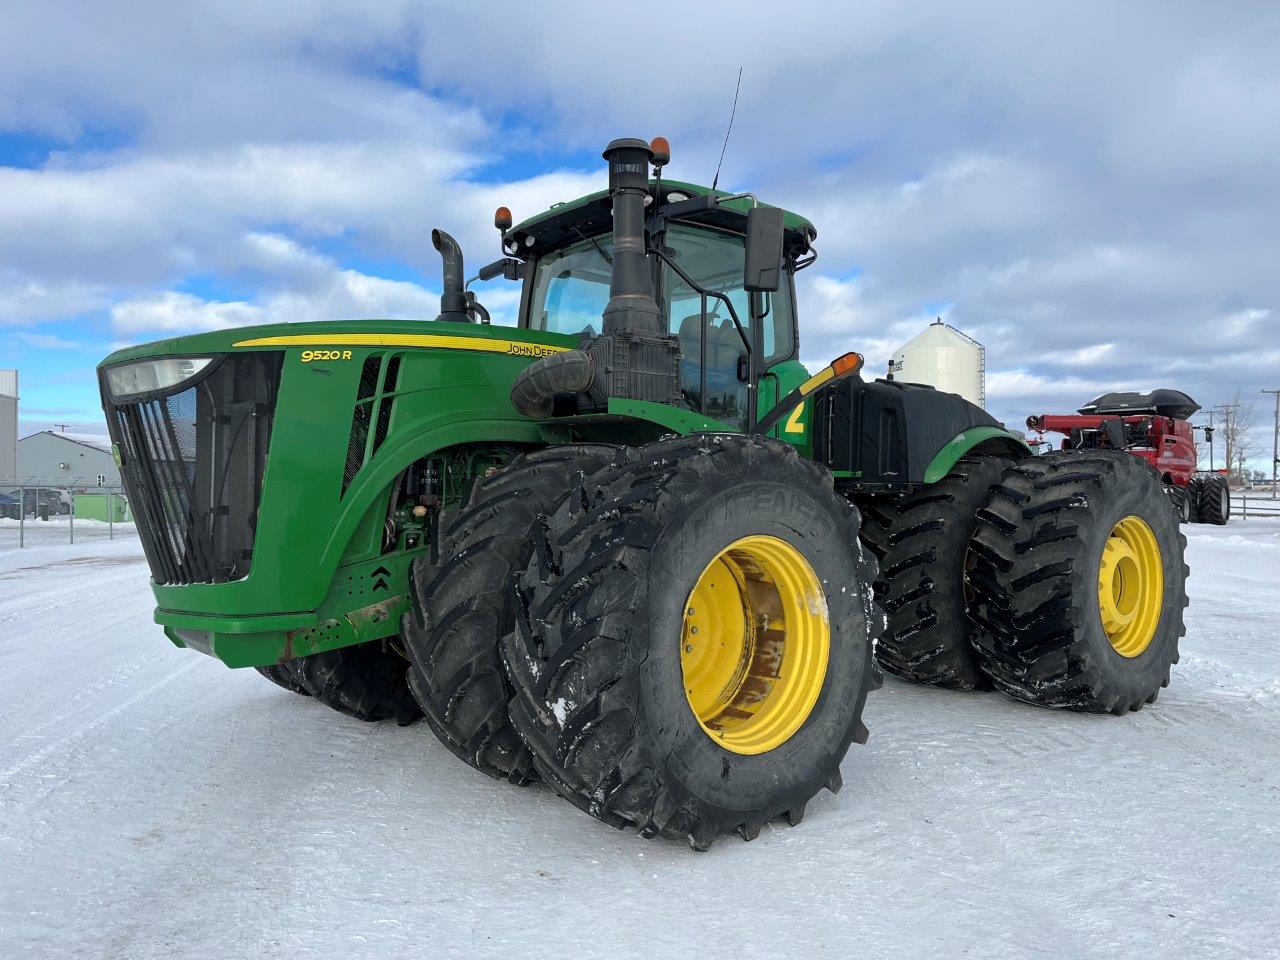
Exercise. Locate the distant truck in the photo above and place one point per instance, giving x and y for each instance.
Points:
(35, 502)
(1156, 428)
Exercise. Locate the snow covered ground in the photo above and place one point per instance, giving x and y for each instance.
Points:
(155, 804)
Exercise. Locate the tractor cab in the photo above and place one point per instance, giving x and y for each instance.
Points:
(728, 336)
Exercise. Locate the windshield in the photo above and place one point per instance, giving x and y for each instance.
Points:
(571, 288)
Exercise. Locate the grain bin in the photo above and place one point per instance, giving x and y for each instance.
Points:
(945, 358)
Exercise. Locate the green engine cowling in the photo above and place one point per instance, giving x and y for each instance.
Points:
(258, 558)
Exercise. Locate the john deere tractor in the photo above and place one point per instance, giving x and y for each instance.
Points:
(630, 546)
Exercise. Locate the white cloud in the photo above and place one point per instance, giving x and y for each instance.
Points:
(24, 300)
(333, 294)
(1084, 357)
(172, 311)
(1091, 195)
(44, 341)
(1244, 322)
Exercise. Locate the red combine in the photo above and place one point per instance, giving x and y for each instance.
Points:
(1154, 427)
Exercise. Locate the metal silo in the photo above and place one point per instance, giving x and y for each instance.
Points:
(945, 358)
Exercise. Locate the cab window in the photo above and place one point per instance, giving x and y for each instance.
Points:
(715, 260)
(571, 288)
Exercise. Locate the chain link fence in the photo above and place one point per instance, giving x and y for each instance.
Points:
(40, 514)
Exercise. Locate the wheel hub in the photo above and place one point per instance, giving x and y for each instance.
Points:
(1130, 586)
(754, 644)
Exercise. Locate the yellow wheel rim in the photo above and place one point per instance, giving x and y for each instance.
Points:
(755, 644)
(1130, 586)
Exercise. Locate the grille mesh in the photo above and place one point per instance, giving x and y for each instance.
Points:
(373, 409)
(192, 462)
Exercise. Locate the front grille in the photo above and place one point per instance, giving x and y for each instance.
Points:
(192, 462)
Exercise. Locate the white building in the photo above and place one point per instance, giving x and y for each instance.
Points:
(8, 425)
(67, 460)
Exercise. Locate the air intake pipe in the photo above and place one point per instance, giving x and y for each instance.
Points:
(634, 356)
(453, 301)
(632, 307)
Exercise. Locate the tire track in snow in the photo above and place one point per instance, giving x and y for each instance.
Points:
(80, 732)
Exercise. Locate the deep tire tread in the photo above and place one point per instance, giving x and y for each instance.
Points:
(462, 605)
(365, 681)
(590, 577)
(282, 675)
(1032, 592)
(921, 584)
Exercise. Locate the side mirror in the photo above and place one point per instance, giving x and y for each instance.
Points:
(763, 272)
(506, 267)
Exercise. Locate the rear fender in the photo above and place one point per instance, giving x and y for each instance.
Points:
(975, 440)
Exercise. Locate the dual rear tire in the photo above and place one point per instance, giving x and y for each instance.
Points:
(1058, 579)
(1079, 583)
(1212, 499)
(922, 544)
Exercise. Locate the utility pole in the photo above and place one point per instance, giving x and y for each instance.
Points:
(1228, 433)
(1275, 443)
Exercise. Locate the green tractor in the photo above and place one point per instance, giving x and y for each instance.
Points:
(630, 547)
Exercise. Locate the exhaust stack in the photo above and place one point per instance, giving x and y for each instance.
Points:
(453, 301)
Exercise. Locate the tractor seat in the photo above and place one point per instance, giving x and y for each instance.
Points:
(724, 347)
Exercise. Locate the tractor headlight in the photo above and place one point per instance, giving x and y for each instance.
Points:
(147, 376)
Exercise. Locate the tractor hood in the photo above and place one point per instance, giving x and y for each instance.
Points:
(335, 334)
(296, 434)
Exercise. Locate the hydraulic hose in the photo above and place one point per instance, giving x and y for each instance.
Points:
(568, 372)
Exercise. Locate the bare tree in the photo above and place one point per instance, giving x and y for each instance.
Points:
(1240, 446)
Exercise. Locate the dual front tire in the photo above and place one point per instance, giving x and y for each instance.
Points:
(693, 639)
(462, 605)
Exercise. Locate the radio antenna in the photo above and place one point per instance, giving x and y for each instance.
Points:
(716, 179)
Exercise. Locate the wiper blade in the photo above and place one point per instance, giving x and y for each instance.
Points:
(592, 240)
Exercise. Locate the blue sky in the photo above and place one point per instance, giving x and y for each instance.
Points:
(1089, 191)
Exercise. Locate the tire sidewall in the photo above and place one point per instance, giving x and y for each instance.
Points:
(1133, 677)
(814, 522)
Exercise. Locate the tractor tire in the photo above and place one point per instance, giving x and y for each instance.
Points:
(366, 681)
(1180, 500)
(462, 605)
(922, 544)
(282, 675)
(608, 662)
(1079, 582)
(1214, 500)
